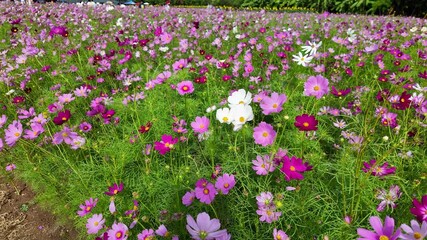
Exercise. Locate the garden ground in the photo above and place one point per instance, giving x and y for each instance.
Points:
(21, 218)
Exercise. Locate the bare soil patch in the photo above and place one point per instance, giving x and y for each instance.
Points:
(21, 218)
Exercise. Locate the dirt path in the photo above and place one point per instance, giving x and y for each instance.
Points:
(22, 219)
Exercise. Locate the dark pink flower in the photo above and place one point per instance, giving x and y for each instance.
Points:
(306, 122)
(420, 208)
(294, 167)
(115, 189)
(166, 144)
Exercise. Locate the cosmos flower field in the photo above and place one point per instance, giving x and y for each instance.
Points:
(204, 123)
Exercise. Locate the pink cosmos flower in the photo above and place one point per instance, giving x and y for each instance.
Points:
(66, 135)
(265, 199)
(162, 231)
(279, 235)
(262, 165)
(206, 194)
(385, 231)
(316, 86)
(166, 144)
(112, 206)
(9, 167)
(180, 64)
(13, 133)
(264, 134)
(272, 104)
(225, 183)
(268, 214)
(87, 207)
(165, 38)
(204, 228)
(118, 231)
(415, 231)
(3, 120)
(388, 198)
(293, 168)
(188, 198)
(36, 130)
(146, 234)
(95, 223)
(185, 87)
(200, 125)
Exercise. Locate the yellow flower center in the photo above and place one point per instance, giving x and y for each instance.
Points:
(226, 185)
(305, 124)
(417, 235)
(265, 134)
(242, 119)
(88, 208)
(383, 237)
(225, 119)
(65, 134)
(316, 88)
(339, 93)
(292, 168)
(115, 191)
(96, 224)
(206, 191)
(275, 105)
(119, 234)
(278, 237)
(17, 134)
(263, 165)
(185, 88)
(402, 100)
(269, 212)
(64, 119)
(202, 126)
(180, 66)
(241, 102)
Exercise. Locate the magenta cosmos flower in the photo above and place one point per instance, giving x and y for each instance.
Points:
(95, 223)
(376, 169)
(204, 228)
(166, 144)
(62, 117)
(264, 134)
(382, 232)
(420, 208)
(87, 207)
(118, 231)
(13, 133)
(306, 122)
(185, 87)
(273, 104)
(316, 86)
(294, 167)
(115, 189)
(225, 183)
(200, 125)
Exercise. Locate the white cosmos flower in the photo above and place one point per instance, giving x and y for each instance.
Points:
(241, 97)
(163, 49)
(302, 59)
(241, 114)
(223, 115)
(311, 48)
(211, 109)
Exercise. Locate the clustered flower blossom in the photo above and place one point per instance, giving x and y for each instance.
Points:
(267, 208)
(239, 112)
(206, 191)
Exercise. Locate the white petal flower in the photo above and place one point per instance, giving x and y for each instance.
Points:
(223, 115)
(241, 97)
